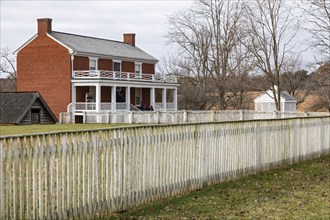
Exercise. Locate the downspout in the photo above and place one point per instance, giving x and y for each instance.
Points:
(73, 89)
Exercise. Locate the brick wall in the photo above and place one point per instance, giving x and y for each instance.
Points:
(146, 97)
(105, 94)
(81, 93)
(44, 66)
(80, 63)
(148, 68)
(104, 64)
(128, 66)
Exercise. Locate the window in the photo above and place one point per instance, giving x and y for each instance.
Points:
(92, 63)
(117, 68)
(138, 70)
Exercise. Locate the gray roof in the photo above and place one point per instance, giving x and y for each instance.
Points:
(15, 105)
(268, 96)
(101, 47)
(285, 95)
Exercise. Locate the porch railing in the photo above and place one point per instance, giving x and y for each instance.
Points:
(85, 106)
(169, 106)
(105, 106)
(119, 106)
(105, 74)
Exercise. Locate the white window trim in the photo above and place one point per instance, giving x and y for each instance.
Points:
(113, 64)
(96, 61)
(138, 63)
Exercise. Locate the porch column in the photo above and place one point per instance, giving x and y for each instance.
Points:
(164, 99)
(152, 97)
(113, 98)
(175, 99)
(128, 97)
(98, 98)
(73, 98)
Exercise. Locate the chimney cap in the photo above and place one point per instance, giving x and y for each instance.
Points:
(44, 25)
(129, 38)
(44, 19)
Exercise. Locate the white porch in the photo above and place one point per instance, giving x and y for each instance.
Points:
(119, 96)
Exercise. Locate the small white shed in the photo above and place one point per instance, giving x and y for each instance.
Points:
(266, 103)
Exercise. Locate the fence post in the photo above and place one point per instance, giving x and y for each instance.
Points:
(158, 117)
(2, 195)
(213, 116)
(60, 118)
(114, 118)
(84, 117)
(185, 116)
(130, 117)
(241, 115)
(71, 115)
(108, 117)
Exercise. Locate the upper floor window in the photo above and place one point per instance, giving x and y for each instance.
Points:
(138, 69)
(92, 63)
(117, 68)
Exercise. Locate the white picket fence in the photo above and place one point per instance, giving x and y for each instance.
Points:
(176, 117)
(85, 174)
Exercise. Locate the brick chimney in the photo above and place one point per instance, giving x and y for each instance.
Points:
(44, 25)
(129, 38)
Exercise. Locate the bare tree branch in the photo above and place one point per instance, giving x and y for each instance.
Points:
(270, 26)
(7, 66)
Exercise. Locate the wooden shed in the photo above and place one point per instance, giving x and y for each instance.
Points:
(266, 103)
(24, 108)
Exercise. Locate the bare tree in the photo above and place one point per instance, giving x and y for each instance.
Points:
(271, 28)
(318, 24)
(322, 80)
(296, 81)
(193, 98)
(207, 36)
(297, 84)
(194, 92)
(7, 67)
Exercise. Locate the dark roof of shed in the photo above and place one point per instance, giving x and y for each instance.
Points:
(15, 105)
(101, 47)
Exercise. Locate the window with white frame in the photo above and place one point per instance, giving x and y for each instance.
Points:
(138, 70)
(116, 68)
(92, 63)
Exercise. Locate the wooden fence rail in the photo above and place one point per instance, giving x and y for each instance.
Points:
(81, 174)
(183, 117)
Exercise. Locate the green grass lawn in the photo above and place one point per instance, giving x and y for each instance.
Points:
(30, 129)
(296, 192)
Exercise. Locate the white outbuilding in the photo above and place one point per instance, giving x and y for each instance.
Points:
(266, 103)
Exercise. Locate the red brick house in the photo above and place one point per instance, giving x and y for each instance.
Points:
(83, 74)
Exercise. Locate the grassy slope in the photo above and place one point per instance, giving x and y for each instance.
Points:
(296, 192)
(30, 129)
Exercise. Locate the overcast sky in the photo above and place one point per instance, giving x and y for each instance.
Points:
(104, 19)
(107, 19)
